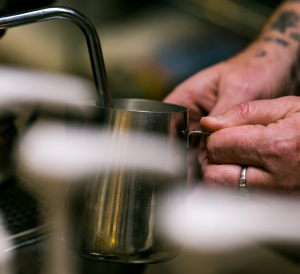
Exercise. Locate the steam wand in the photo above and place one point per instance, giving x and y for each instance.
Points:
(87, 28)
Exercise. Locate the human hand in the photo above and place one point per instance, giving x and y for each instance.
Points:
(264, 135)
(246, 77)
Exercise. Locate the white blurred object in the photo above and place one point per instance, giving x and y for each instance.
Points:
(215, 221)
(18, 85)
(46, 149)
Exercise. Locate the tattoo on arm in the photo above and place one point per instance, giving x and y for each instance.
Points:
(261, 53)
(287, 19)
(274, 39)
(295, 36)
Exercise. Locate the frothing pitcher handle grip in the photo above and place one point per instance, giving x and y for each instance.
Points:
(199, 132)
(87, 28)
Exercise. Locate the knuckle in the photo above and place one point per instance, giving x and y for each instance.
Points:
(204, 166)
(277, 146)
(211, 150)
(225, 175)
(209, 176)
(277, 151)
(243, 110)
(285, 148)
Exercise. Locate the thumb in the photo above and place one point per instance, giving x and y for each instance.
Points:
(262, 112)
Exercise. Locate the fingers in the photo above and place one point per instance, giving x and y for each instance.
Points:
(244, 145)
(262, 112)
(224, 103)
(197, 91)
(198, 94)
(225, 177)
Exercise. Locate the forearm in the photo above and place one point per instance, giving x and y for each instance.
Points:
(281, 34)
(277, 48)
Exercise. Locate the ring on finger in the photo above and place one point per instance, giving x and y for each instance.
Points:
(243, 191)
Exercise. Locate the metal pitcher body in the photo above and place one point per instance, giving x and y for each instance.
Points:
(114, 215)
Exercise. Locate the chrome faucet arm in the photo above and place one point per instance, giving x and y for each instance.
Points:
(87, 28)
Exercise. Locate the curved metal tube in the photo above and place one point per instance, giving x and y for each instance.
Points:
(198, 132)
(89, 31)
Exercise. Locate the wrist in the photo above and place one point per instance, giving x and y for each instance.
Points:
(272, 54)
(266, 70)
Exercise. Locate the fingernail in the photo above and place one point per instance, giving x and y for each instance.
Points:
(207, 140)
(214, 118)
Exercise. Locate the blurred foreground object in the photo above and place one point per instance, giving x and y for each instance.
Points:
(20, 86)
(216, 221)
(222, 235)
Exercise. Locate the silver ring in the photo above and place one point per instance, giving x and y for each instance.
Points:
(243, 191)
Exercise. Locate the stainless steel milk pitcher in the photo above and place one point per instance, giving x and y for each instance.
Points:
(115, 215)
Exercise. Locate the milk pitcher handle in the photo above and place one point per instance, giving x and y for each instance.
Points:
(87, 28)
(198, 132)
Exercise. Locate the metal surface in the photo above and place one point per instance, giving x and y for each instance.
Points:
(89, 31)
(22, 214)
(195, 132)
(243, 191)
(19, 209)
(26, 202)
(8, 136)
(114, 216)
